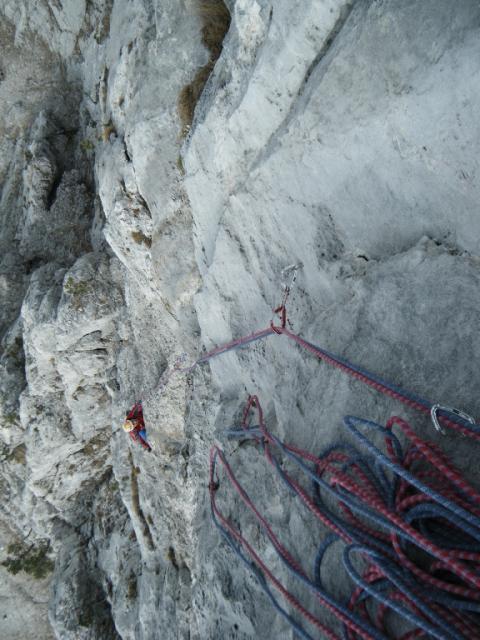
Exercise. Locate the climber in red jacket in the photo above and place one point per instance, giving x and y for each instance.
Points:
(134, 425)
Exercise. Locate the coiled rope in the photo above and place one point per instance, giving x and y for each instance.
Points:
(409, 514)
(418, 531)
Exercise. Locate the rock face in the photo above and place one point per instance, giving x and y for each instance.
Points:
(339, 135)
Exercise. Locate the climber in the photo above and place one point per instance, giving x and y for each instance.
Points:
(134, 425)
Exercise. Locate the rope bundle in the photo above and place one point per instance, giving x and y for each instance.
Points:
(406, 513)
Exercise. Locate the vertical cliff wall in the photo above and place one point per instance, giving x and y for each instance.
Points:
(339, 135)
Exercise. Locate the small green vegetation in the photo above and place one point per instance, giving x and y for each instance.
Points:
(141, 238)
(180, 166)
(215, 18)
(32, 559)
(107, 131)
(87, 145)
(77, 289)
(19, 454)
(11, 418)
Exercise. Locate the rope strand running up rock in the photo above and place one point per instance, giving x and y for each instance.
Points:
(446, 416)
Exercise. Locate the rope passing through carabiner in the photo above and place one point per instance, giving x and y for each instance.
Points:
(406, 512)
(178, 366)
(442, 416)
(417, 531)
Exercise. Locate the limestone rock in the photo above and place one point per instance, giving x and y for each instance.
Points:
(336, 135)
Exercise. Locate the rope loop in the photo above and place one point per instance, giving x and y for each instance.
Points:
(407, 511)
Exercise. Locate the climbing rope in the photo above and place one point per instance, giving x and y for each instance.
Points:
(452, 418)
(435, 512)
(409, 514)
(442, 416)
(416, 528)
(288, 277)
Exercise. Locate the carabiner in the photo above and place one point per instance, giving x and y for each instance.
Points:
(440, 407)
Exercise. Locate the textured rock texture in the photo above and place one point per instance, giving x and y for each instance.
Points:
(337, 134)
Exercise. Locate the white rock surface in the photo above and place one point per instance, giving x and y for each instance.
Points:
(342, 135)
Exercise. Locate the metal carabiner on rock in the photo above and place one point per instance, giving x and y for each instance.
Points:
(440, 407)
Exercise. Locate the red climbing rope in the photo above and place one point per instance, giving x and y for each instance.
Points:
(407, 398)
(437, 492)
(437, 487)
(451, 418)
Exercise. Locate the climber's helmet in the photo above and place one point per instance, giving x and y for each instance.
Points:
(129, 425)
